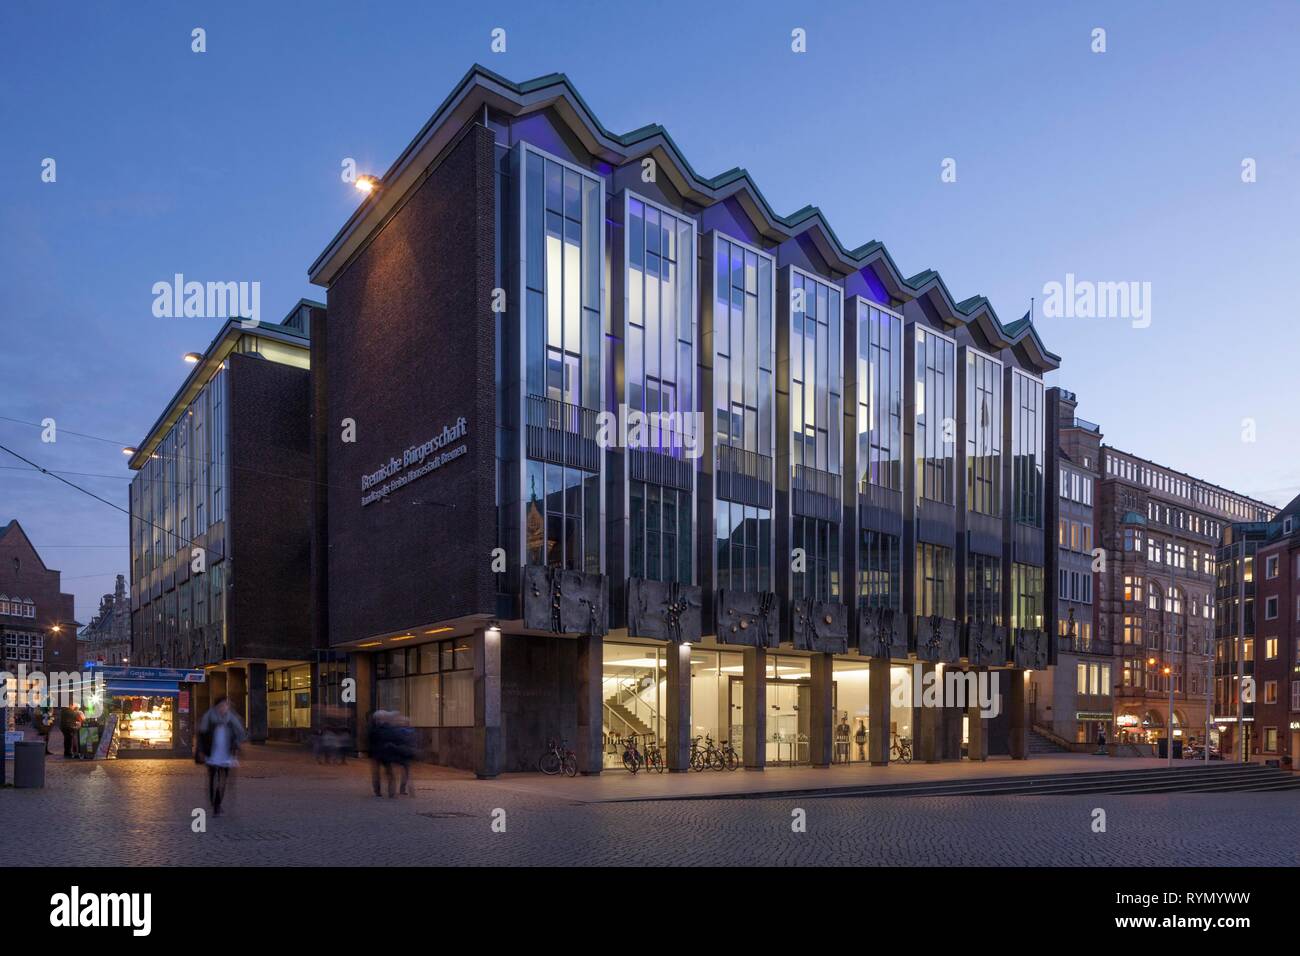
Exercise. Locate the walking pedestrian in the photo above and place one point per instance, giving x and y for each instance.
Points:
(44, 722)
(383, 750)
(403, 752)
(220, 734)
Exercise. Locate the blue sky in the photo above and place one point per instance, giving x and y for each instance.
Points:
(1116, 166)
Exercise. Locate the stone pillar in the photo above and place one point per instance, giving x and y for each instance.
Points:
(822, 722)
(487, 703)
(951, 732)
(1018, 712)
(591, 655)
(928, 719)
(257, 717)
(361, 669)
(678, 707)
(237, 691)
(978, 746)
(755, 697)
(878, 739)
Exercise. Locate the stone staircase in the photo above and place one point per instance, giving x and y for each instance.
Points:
(1038, 744)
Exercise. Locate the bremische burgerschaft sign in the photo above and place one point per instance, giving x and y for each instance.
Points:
(416, 462)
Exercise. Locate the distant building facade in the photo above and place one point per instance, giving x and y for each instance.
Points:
(37, 628)
(107, 638)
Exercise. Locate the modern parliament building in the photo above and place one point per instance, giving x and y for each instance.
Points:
(608, 447)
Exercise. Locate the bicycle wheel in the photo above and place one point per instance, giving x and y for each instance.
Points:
(905, 755)
(716, 762)
(733, 761)
(569, 765)
(630, 762)
(697, 761)
(549, 763)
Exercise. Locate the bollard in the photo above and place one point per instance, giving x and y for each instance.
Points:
(29, 764)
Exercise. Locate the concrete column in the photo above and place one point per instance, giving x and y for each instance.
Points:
(591, 655)
(878, 740)
(928, 719)
(1018, 712)
(487, 703)
(822, 723)
(678, 708)
(237, 691)
(257, 717)
(755, 691)
(361, 669)
(978, 746)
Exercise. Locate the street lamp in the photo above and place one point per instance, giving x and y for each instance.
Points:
(193, 358)
(367, 184)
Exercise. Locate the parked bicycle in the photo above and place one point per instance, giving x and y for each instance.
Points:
(654, 757)
(707, 756)
(558, 758)
(901, 749)
(730, 759)
(633, 759)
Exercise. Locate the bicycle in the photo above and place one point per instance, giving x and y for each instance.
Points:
(632, 758)
(654, 757)
(698, 759)
(730, 759)
(901, 749)
(558, 758)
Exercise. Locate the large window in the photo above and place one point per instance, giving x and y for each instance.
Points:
(984, 588)
(743, 346)
(879, 559)
(563, 211)
(432, 684)
(816, 373)
(934, 581)
(661, 521)
(1026, 596)
(561, 517)
(880, 397)
(658, 360)
(1027, 448)
(820, 541)
(743, 545)
(983, 434)
(936, 422)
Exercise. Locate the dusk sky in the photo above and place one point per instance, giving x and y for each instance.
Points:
(1121, 166)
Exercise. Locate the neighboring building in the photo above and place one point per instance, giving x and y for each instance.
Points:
(37, 628)
(107, 638)
(221, 525)
(1075, 698)
(1259, 638)
(844, 474)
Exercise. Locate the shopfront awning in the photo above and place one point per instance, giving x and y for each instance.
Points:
(142, 688)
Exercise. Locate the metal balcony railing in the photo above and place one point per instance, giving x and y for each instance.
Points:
(815, 494)
(562, 433)
(744, 477)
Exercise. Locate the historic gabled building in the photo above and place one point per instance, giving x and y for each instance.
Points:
(38, 629)
(635, 454)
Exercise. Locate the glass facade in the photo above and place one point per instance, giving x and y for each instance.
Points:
(743, 401)
(818, 576)
(562, 517)
(983, 434)
(934, 581)
(816, 374)
(984, 589)
(659, 367)
(432, 684)
(879, 570)
(1027, 422)
(1026, 596)
(880, 397)
(936, 411)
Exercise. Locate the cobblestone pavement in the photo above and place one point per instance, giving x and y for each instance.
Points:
(285, 809)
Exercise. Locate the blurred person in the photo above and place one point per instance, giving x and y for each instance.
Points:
(403, 743)
(70, 720)
(220, 734)
(383, 750)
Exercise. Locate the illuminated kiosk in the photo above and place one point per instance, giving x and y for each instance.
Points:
(149, 710)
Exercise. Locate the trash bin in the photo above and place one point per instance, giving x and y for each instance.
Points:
(29, 764)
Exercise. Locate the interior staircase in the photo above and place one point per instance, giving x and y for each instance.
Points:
(1038, 744)
(620, 717)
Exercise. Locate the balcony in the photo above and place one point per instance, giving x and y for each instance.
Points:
(1083, 424)
(562, 433)
(744, 477)
(815, 494)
